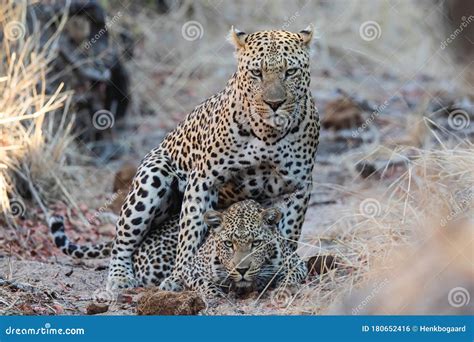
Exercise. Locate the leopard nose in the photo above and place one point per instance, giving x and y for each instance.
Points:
(242, 271)
(274, 104)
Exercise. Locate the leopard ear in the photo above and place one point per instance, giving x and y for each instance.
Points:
(213, 219)
(237, 38)
(271, 216)
(307, 35)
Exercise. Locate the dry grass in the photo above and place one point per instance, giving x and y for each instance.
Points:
(432, 196)
(426, 277)
(35, 133)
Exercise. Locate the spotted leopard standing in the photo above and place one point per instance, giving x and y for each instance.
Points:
(256, 139)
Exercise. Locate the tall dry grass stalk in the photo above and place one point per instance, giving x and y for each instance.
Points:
(35, 128)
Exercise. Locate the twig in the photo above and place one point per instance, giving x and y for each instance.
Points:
(36, 195)
(18, 286)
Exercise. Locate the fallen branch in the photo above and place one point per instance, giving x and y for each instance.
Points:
(18, 286)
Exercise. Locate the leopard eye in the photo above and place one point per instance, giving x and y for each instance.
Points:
(291, 72)
(256, 72)
(228, 243)
(257, 243)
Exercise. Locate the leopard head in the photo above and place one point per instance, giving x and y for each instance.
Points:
(274, 74)
(245, 238)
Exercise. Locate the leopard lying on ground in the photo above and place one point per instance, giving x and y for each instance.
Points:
(256, 139)
(244, 249)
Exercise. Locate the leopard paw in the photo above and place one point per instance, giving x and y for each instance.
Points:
(115, 283)
(171, 284)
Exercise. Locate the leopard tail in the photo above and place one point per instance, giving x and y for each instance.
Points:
(89, 251)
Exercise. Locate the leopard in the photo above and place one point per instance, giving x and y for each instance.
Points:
(153, 261)
(244, 251)
(256, 139)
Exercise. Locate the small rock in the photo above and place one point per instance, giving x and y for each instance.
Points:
(94, 308)
(157, 302)
(365, 169)
(342, 113)
(321, 264)
(58, 309)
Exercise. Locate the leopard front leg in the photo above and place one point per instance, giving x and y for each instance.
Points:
(294, 210)
(194, 279)
(199, 197)
(296, 270)
(150, 198)
(290, 276)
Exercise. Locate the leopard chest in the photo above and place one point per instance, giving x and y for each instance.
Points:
(271, 172)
